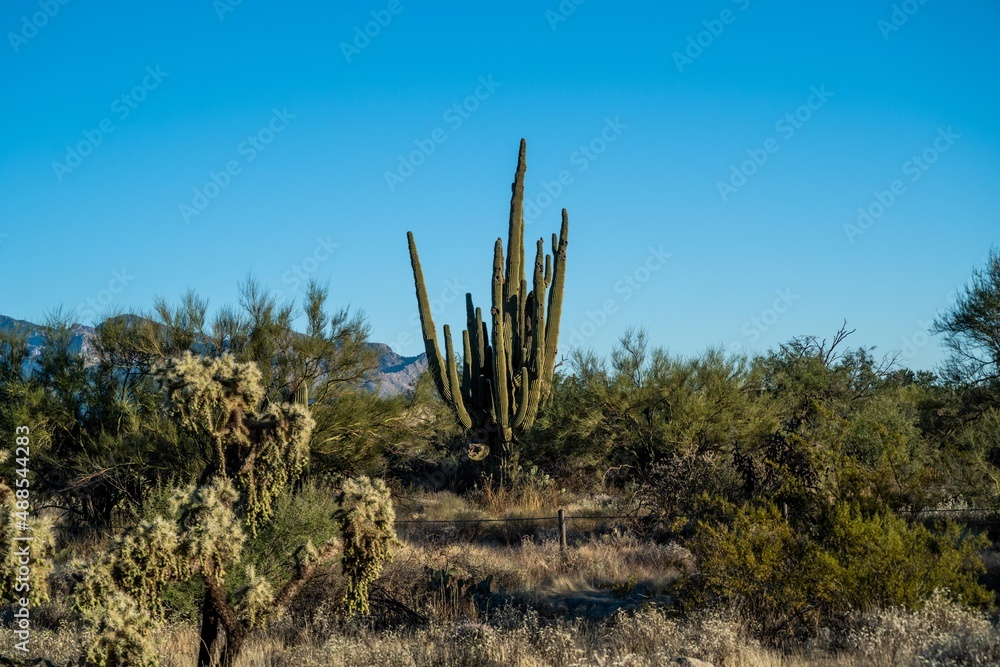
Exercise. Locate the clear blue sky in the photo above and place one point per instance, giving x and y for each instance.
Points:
(683, 95)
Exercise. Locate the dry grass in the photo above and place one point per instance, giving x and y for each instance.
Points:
(627, 581)
(941, 635)
(541, 567)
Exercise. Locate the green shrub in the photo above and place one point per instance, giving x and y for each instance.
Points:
(305, 517)
(789, 583)
(884, 561)
(758, 563)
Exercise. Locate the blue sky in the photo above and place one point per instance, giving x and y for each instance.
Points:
(713, 158)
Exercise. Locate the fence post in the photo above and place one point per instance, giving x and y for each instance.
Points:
(562, 529)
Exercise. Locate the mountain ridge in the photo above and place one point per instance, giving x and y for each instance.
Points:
(396, 373)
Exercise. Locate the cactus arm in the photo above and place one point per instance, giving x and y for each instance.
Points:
(474, 352)
(302, 394)
(513, 285)
(532, 381)
(485, 358)
(524, 382)
(435, 362)
(463, 415)
(548, 270)
(501, 381)
(534, 395)
(555, 300)
(522, 326)
(515, 234)
(467, 368)
(538, 317)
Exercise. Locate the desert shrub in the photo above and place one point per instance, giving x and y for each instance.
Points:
(884, 561)
(262, 448)
(300, 519)
(681, 489)
(940, 633)
(769, 572)
(365, 516)
(789, 582)
(120, 595)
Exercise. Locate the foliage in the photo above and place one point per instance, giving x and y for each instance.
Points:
(120, 634)
(970, 330)
(121, 595)
(789, 582)
(300, 521)
(613, 422)
(366, 518)
(203, 449)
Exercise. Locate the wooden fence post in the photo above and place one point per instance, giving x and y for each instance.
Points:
(562, 529)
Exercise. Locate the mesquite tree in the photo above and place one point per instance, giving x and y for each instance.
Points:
(508, 364)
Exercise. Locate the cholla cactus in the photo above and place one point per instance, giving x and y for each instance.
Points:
(260, 447)
(121, 634)
(120, 595)
(211, 537)
(257, 449)
(212, 396)
(41, 548)
(254, 599)
(281, 449)
(366, 517)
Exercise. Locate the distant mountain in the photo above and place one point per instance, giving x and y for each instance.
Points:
(36, 338)
(396, 373)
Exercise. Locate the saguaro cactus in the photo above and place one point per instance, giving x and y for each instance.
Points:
(507, 366)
